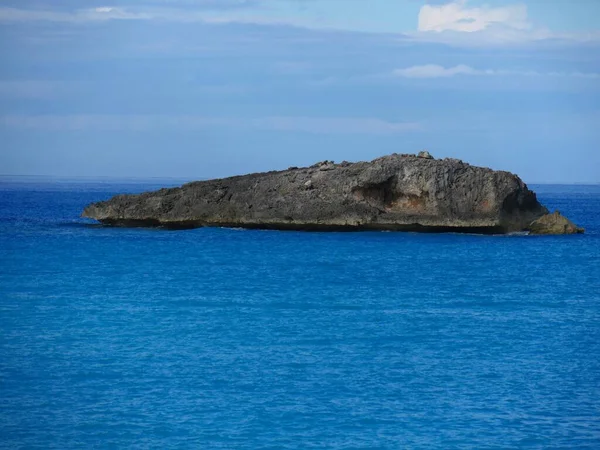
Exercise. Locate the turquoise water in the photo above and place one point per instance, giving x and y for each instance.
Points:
(219, 338)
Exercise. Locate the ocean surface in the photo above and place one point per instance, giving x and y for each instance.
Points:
(223, 338)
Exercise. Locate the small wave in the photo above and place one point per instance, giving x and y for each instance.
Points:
(518, 233)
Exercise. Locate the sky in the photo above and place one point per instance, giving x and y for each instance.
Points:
(196, 89)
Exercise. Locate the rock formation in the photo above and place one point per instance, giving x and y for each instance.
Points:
(554, 223)
(395, 192)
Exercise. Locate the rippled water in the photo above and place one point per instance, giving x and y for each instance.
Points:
(217, 338)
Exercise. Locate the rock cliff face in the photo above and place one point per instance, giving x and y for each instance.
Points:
(395, 192)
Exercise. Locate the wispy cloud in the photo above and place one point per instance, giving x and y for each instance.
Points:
(31, 89)
(144, 123)
(81, 15)
(437, 71)
(206, 4)
(71, 5)
(150, 13)
(337, 125)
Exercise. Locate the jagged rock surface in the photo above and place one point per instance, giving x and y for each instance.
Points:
(395, 192)
(554, 223)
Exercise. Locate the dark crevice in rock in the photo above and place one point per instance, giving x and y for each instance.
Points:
(380, 195)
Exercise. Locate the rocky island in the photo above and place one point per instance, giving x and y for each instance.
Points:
(399, 192)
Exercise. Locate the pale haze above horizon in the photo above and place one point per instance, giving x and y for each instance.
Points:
(195, 89)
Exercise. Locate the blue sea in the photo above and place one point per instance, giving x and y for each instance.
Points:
(233, 339)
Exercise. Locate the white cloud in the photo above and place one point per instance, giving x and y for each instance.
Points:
(143, 123)
(457, 23)
(437, 71)
(457, 16)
